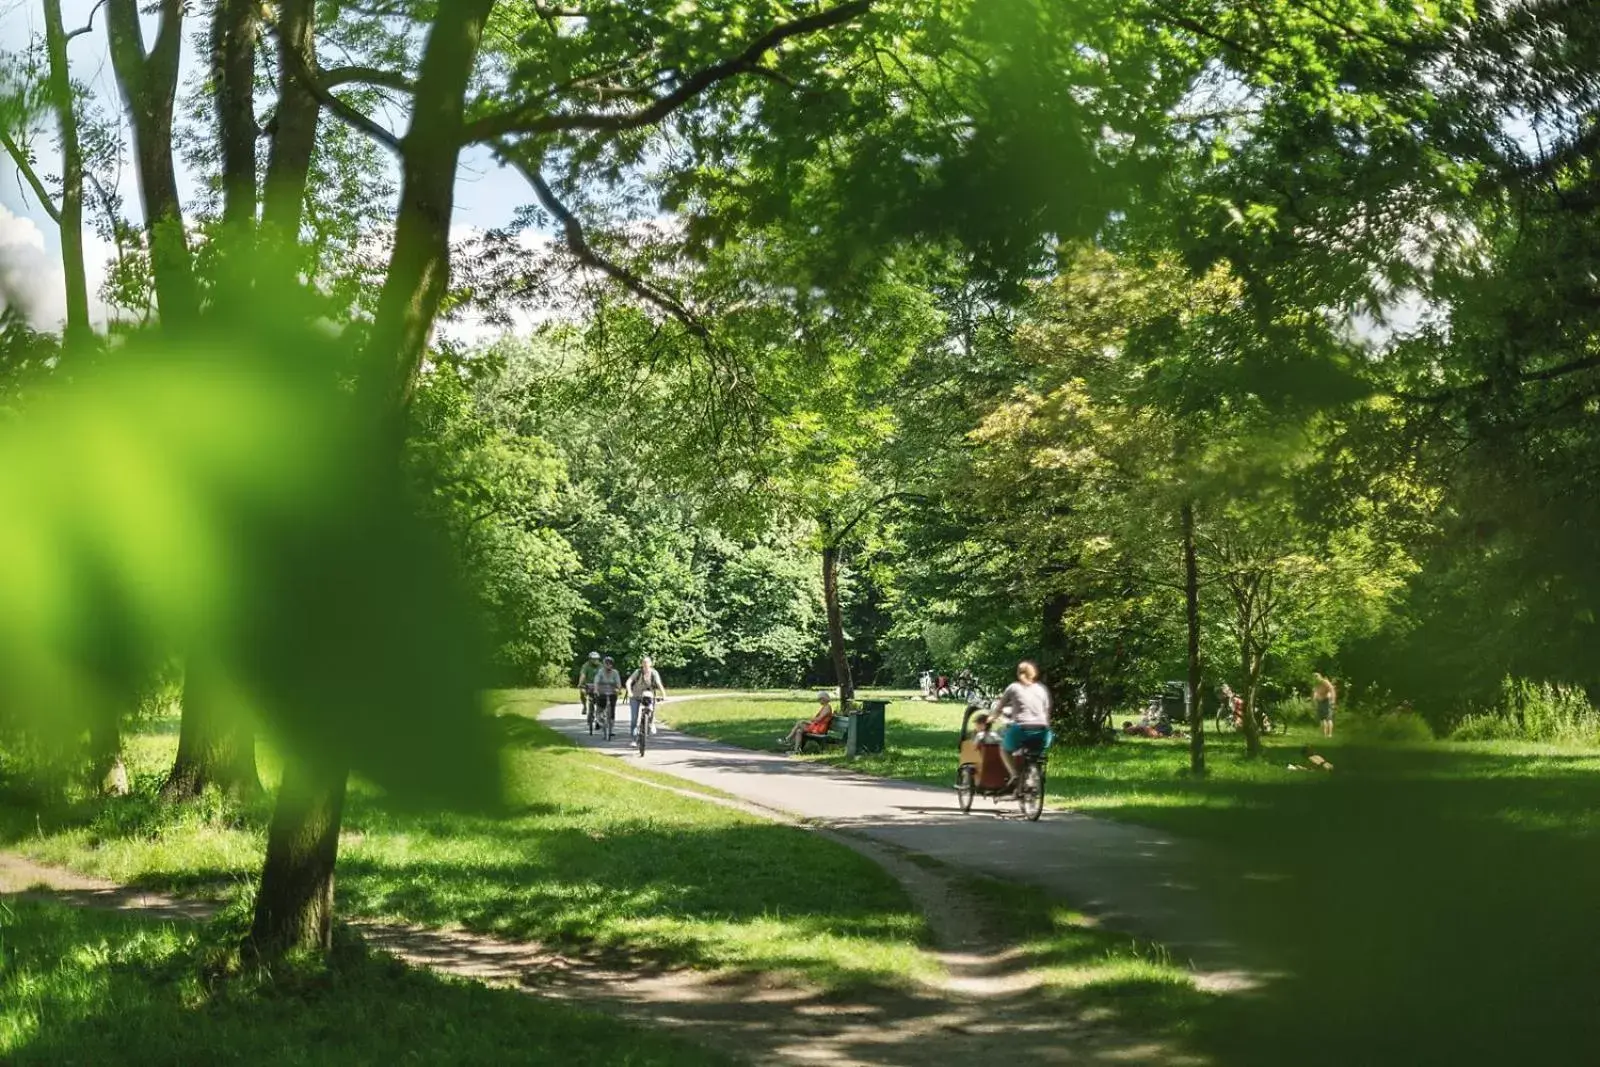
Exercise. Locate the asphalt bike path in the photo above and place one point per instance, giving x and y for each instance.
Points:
(1125, 877)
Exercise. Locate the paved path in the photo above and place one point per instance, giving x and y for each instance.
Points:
(1126, 877)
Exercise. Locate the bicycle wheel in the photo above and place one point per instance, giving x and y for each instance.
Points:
(588, 714)
(644, 730)
(1030, 792)
(966, 787)
(1225, 723)
(609, 722)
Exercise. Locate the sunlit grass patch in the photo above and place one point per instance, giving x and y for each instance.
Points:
(582, 856)
(80, 986)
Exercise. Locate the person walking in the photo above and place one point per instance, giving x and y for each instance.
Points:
(1325, 695)
(642, 681)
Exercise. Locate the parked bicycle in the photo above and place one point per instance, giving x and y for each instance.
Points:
(1230, 716)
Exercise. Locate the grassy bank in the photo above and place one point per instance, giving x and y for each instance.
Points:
(581, 858)
(82, 986)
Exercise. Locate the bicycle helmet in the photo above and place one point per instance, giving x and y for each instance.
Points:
(594, 655)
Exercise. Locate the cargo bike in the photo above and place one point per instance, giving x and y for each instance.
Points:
(981, 772)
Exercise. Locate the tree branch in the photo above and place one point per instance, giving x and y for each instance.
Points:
(87, 27)
(531, 120)
(388, 79)
(578, 245)
(350, 116)
(25, 169)
(168, 47)
(1561, 370)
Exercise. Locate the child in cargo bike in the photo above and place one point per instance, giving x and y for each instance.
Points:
(815, 727)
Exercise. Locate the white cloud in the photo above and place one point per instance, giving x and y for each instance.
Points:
(32, 278)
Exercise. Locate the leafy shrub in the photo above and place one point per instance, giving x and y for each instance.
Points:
(1294, 710)
(1535, 711)
(1396, 727)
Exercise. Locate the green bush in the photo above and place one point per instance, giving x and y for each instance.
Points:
(1398, 727)
(1294, 710)
(1534, 711)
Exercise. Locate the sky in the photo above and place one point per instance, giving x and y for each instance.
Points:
(487, 194)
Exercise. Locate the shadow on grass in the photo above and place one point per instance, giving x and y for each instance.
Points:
(1418, 916)
(752, 895)
(1423, 904)
(88, 987)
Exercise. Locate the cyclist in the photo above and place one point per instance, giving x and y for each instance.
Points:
(1025, 705)
(640, 682)
(607, 681)
(586, 673)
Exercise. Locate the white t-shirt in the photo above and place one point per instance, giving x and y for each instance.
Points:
(1029, 704)
(640, 683)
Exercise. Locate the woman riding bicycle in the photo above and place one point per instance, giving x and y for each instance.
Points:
(1025, 705)
(607, 680)
(642, 683)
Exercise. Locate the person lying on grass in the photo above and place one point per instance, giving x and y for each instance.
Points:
(1317, 763)
(817, 726)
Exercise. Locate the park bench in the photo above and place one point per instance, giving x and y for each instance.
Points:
(838, 731)
(836, 735)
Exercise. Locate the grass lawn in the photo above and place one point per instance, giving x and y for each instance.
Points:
(86, 987)
(582, 858)
(1425, 903)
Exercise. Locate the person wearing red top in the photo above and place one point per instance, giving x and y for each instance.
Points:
(820, 723)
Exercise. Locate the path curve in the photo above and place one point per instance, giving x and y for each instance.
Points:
(1128, 878)
(755, 1018)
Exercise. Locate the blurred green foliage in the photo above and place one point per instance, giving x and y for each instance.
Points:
(224, 497)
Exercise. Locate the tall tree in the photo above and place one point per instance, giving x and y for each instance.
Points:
(148, 80)
(234, 27)
(79, 330)
(294, 907)
(66, 210)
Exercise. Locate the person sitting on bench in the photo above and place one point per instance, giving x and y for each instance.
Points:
(817, 726)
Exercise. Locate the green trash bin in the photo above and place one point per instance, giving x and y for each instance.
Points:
(869, 726)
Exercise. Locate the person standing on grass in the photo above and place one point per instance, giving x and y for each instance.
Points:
(1026, 707)
(1325, 695)
(642, 681)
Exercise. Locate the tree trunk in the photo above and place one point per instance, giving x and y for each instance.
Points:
(836, 646)
(107, 773)
(1191, 600)
(233, 73)
(149, 85)
(294, 129)
(1055, 661)
(1252, 728)
(216, 745)
(419, 266)
(294, 907)
(79, 333)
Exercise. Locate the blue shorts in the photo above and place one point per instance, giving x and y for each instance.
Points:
(1019, 736)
